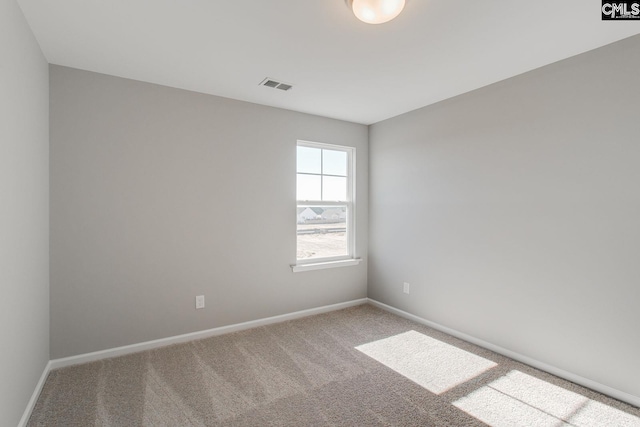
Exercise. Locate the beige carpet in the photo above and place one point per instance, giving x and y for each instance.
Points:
(355, 367)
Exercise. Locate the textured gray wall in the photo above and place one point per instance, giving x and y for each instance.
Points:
(160, 194)
(513, 211)
(24, 213)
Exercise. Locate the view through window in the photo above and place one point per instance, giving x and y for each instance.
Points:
(325, 202)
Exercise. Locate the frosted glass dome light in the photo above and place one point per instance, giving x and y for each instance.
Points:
(377, 11)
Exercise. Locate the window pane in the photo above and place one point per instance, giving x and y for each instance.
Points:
(334, 188)
(334, 162)
(309, 160)
(322, 232)
(309, 187)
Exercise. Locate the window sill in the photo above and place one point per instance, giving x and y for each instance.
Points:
(297, 268)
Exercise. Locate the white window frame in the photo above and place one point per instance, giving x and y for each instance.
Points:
(349, 258)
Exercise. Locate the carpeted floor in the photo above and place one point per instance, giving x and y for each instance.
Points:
(356, 367)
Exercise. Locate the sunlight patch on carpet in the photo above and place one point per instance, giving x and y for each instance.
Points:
(520, 399)
(433, 364)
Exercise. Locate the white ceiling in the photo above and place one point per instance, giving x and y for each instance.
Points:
(340, 67)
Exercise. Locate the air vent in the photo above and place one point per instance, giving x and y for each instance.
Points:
(269, 82)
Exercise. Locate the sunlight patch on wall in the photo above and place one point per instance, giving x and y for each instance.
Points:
(433, 364)
(520, 399)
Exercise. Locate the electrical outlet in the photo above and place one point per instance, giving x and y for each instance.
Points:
(200, 301)
(406, 287)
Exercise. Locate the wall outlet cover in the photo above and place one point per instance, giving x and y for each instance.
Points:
(200, 301)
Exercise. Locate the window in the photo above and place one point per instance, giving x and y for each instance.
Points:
(326, 211)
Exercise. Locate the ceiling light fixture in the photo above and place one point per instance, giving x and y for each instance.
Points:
(376, 11)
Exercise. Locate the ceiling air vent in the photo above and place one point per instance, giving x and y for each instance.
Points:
(269, 82)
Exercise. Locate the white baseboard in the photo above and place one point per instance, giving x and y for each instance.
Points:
(593, 385)
(134, 348)
(148, 345)
(34, 397)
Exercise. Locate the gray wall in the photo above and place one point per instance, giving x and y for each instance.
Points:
(160, 194)
(513, 211)
(24, 213)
